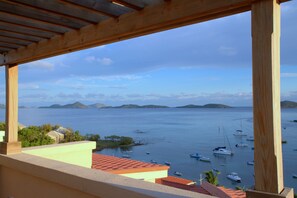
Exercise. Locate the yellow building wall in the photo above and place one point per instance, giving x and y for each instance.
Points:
(147, 176)
(76, 153)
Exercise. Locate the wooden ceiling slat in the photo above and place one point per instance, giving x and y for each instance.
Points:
(24, 21)
(9, 45)
(4, 49)
(14, 41)
(103, 6)
(138, 4)
(41, 15)
(24, 30)
(61, 7)
(133, 4)
(18, 36)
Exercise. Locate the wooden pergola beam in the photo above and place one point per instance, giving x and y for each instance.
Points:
(266, 98)
(149, 20)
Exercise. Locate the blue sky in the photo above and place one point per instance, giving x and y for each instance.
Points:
(198, 64)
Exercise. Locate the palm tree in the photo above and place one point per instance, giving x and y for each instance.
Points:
(212, 177)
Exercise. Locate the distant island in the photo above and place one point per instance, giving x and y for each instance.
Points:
(76, 105)
(79, 105)
(288, 104)
(205, 106)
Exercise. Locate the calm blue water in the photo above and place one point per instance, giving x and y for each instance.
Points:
(172, 134)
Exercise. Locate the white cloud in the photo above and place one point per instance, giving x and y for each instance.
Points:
(105, 61)
(228, 51)
(29, 86)
(90, 59)
(288, 75)
(102, 61)
(41, 65)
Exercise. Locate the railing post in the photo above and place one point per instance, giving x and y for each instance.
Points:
(266, 99)
(11, 144)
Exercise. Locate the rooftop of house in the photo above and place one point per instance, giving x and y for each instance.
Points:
(122, 165)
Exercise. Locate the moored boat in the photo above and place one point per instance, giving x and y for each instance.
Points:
(294, 176)
(195, 155)
(153, 161)
(251, 138)
(167, 163)
(250, 163)
(234, 177)
(239, 133)
(126, 156)
(241, 145)
(178, 173)
(222, 151)
(204, 159)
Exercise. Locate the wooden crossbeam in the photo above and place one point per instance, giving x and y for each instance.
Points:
(151, 19)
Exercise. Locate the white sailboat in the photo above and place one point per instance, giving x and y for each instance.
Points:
(239, 132)
(234, 177)
(222, 150)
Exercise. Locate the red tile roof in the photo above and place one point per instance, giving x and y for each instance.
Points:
(122, 166)
(233, 193)
(181, 183)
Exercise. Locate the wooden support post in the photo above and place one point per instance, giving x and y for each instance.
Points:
(266, 96)
(11, 144)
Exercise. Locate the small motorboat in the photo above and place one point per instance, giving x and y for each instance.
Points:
(241, 145)
(153, 161)
(234, 177)
(178, 173)
(251, 138)
(239, 133)
(148, 153)
(204, 159)
(215, 170)
(195, 155)
(167, 163)
(251, 163)
(294, 176)
(222, 151)
(253, 148)
(126, 156)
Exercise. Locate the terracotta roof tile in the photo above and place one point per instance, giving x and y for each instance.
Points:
(233, 193)
(122, 165)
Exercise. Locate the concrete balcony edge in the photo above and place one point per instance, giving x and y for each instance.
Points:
(92, 182)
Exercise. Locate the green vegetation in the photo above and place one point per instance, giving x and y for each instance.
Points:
(72, 136)
(212, 177)
(240, 188)
(34, 136)
(114, 141)
(2, 126)
(37, 136)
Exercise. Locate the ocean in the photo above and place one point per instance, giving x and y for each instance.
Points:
(172, 134)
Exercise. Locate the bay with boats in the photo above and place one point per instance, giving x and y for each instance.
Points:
(190, 141)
